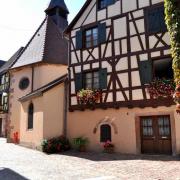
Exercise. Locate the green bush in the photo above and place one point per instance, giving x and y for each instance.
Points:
(55, 145)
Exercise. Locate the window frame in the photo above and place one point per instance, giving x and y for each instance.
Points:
(92, 83)
(91, 37)
(20, 83)
(30, 117)
(147, 10)
(153, 67)
(110, 133)
(105, 6)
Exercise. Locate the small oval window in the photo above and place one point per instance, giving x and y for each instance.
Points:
(24, 83)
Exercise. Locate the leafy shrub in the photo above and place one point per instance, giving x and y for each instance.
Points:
(55, 145)
(80, 143)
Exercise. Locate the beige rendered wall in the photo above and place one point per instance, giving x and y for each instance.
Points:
(48, 117)
(53, 101)
(126, 139)
(43, 74)
(15, 94)
(32, 138)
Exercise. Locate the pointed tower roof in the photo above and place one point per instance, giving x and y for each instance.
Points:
(57, 4)
(46, 46)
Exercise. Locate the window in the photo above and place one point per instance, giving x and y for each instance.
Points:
(24, 83)
(105, 132)
(163, 68)
(30, 116)
(156, 20)
(91, 37)
(91, 80)
(147, 127)
(104, 3)
(87, 38)
(4, 82)
(159, 69)
(5, 102)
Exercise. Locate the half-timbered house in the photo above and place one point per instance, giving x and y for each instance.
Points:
(118, 47)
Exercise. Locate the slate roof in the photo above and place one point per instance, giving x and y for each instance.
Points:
(7, 65)
(57, 3)
(47, 46)
(47, 87)
(2, 62)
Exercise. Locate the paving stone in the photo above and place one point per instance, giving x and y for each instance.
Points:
(19, 163)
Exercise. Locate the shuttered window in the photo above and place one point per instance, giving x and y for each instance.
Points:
(105, 133)
(156, 20)
(145, 68)
(104, 3)
(30, 116)
(91, 37)
(91, 80)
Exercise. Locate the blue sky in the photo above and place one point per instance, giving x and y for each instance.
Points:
(20, 20)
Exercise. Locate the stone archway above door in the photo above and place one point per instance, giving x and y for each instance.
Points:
(106, 120)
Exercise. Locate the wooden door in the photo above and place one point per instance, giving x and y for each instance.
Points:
(156, 135)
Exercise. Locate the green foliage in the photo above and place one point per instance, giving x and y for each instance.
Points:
(80, 141)
(173, 23)
(55, 145)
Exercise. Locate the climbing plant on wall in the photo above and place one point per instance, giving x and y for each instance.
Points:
(172, 12)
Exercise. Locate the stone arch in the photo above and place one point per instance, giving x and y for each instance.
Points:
(106, 120)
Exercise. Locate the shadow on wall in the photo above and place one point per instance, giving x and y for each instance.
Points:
(120, 157)
(8, 174)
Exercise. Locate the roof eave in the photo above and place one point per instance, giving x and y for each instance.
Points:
(68, 29)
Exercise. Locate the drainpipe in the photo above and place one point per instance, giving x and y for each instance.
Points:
(65, 108)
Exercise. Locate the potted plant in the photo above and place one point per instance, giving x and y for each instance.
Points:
(81, 143)
(108, 147)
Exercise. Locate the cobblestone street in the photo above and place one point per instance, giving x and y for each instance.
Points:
(18, 163)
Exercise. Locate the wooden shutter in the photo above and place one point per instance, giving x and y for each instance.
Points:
(156, 20)
(162, 19)
(101, 33)
(78, 81)
(145, 68)
(105, 133)
(79, 39)
(103, 78)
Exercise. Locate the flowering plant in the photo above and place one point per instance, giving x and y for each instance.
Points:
(55, 145)
(89, 96)
(16, 138)
(177, 98)
(161, 88)
(108, 144)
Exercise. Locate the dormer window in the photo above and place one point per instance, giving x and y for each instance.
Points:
(104, 3)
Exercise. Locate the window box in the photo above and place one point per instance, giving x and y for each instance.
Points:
(161, 88)
(89, 97)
